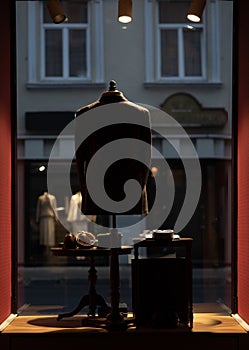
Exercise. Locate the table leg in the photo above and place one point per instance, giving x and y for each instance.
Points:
(92, 299)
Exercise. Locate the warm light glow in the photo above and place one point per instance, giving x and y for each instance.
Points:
(196, 9)
(190, 27)
(42, 168)
(193, 18)
(124, 19)
(56, 12)
(125, 11)
(154, 170)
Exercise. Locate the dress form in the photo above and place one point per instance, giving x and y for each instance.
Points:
(122, 170)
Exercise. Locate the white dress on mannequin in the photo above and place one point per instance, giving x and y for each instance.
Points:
(78, 221)
(46, 216)
(75, 217)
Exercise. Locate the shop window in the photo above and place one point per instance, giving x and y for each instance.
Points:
(48, 280)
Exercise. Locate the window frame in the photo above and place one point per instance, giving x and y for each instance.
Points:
(210, 46)
(65, 29)
(180, 44)
(36, 50)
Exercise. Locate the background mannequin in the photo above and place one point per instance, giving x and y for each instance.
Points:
(45, 217)
(78, 221)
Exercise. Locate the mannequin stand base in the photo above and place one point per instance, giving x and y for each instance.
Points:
(116, 322)
(93, 301)
(110, 323)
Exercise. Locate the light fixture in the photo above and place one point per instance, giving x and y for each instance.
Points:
(42, 168)
(195, 10)
(154, 170)
(56, 11)
(125, 11)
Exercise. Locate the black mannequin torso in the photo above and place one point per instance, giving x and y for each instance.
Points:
(120, 171)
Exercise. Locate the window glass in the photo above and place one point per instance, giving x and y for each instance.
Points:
(53, 49)
(177, 71)
(77, 11)
(66, 48)
(169, 55)
(181, 44)
(173, 11)
(79, 44)
(77, 53)
(192, 52)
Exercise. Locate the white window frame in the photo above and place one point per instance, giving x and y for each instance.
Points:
(210, 71)
(36, 46)
(65, 28)
(181, 62)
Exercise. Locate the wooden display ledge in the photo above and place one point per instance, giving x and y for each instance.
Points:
(203, 322)
(210, 331)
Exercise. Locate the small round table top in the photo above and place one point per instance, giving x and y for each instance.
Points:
(91, 251)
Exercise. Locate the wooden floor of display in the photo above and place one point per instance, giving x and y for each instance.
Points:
(203, 322)
(211, 331)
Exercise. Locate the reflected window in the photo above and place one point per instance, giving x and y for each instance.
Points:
(181, 45)
(69, 52)
(177, 50)
(66, 48)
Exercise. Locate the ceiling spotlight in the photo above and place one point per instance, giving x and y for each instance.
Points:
(42, 168)
(195, 10)
(125, 11)
(56, 11)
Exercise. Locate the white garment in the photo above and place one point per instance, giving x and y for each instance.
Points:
(79, 222)
(45, 216)
(74, 212)
(47, 231)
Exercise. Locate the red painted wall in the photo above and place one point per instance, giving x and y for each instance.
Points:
(243, 161)
(5, 164)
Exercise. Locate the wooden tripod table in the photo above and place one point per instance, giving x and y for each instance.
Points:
(114, 319)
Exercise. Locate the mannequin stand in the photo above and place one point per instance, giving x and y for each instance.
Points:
(115, 319)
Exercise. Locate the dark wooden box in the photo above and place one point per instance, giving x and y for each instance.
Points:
(161, 292)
